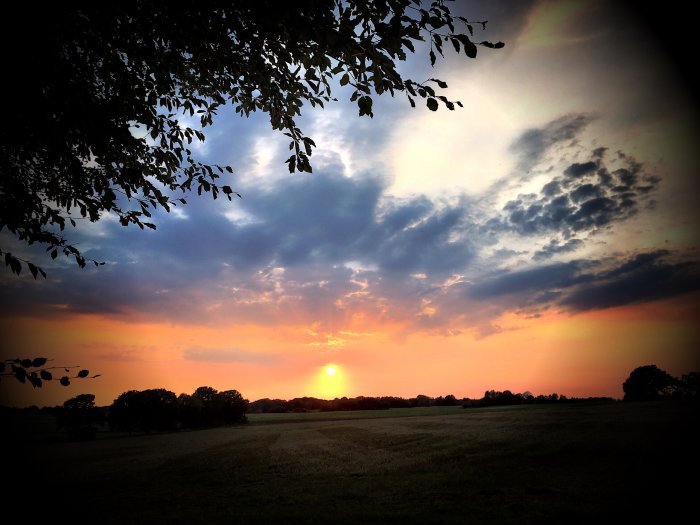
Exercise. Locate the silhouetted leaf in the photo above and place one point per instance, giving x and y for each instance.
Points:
(65, 381)
(432, 104)
(34, 380)
(46, 375)
(83, 373)
(344, 79)
(19, 373)
(39, 361)
(26, 363)
(469, 46)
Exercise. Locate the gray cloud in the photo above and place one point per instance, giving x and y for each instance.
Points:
(554, 247)
(593, 284)
(586, 198)
(534, 143)
(646, 277)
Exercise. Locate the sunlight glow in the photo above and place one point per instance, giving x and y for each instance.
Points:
(329, 381)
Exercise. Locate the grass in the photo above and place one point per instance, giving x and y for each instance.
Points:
(534, 464)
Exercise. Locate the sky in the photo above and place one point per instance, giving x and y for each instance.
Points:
(542, 238)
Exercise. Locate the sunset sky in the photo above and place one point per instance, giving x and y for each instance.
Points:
(543, 238)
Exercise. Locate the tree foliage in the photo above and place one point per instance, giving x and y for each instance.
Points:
(158, 410)
(36, 372)
(80, 416)
(107, 99)
(647, 383)
(153, 410)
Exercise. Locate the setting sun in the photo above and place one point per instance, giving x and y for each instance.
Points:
(330, 371)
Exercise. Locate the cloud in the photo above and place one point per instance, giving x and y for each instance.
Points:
(593, 284)
(330, 249)
(534, 143)
(227, 355)
(555, 247)
(643, 278)
(588, 197)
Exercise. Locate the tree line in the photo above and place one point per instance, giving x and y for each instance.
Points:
(160, 410)
(152, 410)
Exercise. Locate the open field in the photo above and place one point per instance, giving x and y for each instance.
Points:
(532, 464)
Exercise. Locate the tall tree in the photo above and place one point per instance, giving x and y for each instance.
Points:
(98, 93)
(646, 383)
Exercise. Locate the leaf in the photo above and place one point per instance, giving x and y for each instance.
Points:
(432, 104)
(469, 47)
(33, 269)
(46, 375)
(34, 380)
(20, 373)
(432, 58)
(42, 272)
(54, 253)
(365, 105)
(344, 79)
(83, 373)
(39, 361)
(26, 363)
(65, 381)
(439, 82)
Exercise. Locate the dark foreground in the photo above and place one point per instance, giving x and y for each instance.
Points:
(621, 463)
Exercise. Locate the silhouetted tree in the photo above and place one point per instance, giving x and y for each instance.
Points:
(207, 407)
(232, 406)
(80, 416)
(267, 405)
(422, 401)
(647, 383)
(190, 411)
(689, 385)
(99, 94)
(153, 410)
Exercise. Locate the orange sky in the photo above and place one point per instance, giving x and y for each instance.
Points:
(576, 355)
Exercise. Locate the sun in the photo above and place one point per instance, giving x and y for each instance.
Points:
(330, 370)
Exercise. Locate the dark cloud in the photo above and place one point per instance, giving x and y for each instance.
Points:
(534, 143)
(593, 284)
(579, 170)
(586, 198)
(543, 278)
(554, 247)
(644, 278)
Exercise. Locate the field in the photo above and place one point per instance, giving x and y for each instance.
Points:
(531, 464)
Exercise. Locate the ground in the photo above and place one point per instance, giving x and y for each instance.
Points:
(531, 464)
